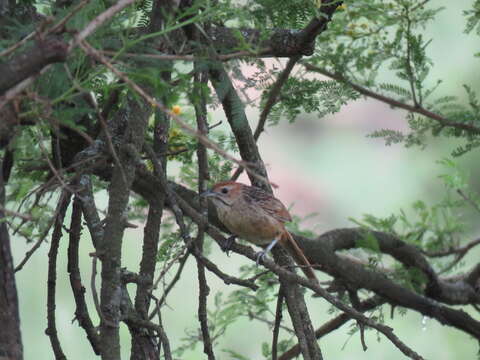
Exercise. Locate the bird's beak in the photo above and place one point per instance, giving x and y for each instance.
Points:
(208, 193)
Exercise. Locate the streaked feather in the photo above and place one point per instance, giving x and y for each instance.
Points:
(267, 202)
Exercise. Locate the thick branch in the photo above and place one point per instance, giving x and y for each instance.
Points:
(286, 276)
(110, 249)
(229, 41)
(30, 62)
(281, 43)
(454, 292)
(141, 339)
(10, 335)
(305, 39)
(235, 113)
(321, 253)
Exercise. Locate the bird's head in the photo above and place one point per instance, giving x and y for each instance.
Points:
(224, 193)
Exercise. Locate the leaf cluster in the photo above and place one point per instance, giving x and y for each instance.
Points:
(370, 41)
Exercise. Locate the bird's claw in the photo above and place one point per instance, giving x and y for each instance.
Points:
(227, 245)
(260, 256)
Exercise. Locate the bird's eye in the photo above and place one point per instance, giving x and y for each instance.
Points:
(224, 190)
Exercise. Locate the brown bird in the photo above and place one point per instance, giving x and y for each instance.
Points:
(258, 217)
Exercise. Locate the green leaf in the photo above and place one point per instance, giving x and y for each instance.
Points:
(369, 242)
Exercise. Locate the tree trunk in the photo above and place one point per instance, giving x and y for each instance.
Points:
(10, 337)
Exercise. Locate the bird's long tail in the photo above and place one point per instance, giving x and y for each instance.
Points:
(291, 245)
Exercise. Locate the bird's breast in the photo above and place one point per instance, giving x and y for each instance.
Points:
(249, 223)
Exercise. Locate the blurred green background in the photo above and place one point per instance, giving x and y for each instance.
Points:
(326, 166)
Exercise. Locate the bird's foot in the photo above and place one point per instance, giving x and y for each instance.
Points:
(227, 245)
(260, 256)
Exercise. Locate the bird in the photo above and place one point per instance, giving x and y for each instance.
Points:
(256, 216)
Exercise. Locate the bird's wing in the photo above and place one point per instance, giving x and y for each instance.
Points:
(267, 202)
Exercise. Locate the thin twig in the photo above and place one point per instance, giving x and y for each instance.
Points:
(81, 312)
(16, 214)
(103, 123)
(18, 44)
(201, 79)
(270, 323)
(54, 171)
(271, 101)
(458, 250)
(276, 327)
(411, 76)
(173, 261)
(227, 279)
(203, 292)
(164, 339)
(170, 286)
(89, 209)
(361, 327)
(202, 138)
(273, 96)
(40, 32)
(43, 235)
(99, 21)
(67, 17)
(93, 286)
(333, 324)
(88, 30)
(52, 276)
(159, 173)
(419, 5)
(288, 275)
(166, 57)
(392, 102)
(469, 200)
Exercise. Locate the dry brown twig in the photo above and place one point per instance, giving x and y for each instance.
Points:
(226, 57)
(16, 214)
(39, 31)
(93, 285)
(202, 138)
(88, 30)
(97, 22)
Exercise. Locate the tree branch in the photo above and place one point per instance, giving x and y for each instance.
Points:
(110, 249)
(31, 62)
(306, 40)
(235, 113)
(286, 275)
(51, 330)
(394, 103)
(10, 335)
(333, 325)
(81, 311)
(276, 327)
(200, 80)
(321, 253)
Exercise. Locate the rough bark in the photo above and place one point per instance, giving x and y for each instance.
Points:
(10, 335)
(31, 61)
(110, 250)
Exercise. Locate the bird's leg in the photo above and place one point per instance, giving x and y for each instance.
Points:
(262, 253)
(227, 245)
